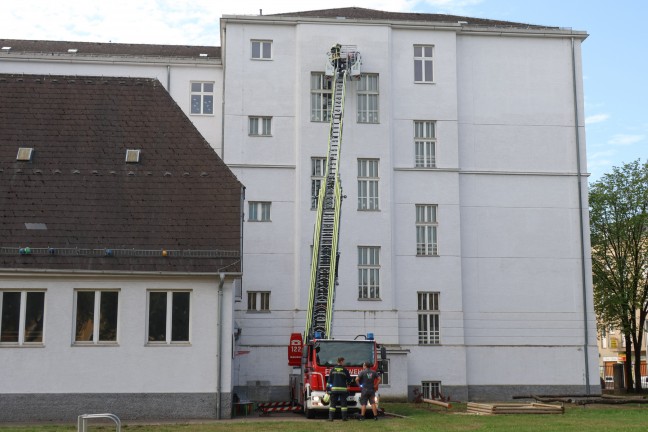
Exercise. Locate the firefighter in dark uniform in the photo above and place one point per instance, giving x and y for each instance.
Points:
(338, 379)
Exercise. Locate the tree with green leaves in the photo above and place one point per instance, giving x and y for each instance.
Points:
(619, 238)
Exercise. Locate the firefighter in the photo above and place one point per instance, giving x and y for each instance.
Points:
(337, 386)
(368, 381)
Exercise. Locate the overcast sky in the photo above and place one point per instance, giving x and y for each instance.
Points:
(614, 55)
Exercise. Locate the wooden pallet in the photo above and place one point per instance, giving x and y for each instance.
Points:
(514, 408)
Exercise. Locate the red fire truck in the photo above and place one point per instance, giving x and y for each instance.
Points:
(313, 355)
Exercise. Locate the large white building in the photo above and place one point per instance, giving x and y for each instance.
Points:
(464, 240)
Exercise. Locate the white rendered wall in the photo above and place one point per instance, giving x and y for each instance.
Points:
(60, 366)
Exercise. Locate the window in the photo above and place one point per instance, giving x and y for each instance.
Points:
(202, 98)
(368, 98)
(428, 318)
(424, 144)
(260, 126)
(431, 389)
(96, 317)
(258, 301)
(423, 63)
(321, 97)
(259, 211)
(22, 317)
(426, 230)
(368, 272)
(318, 170)
(368, 184)
(384, 378)
(261, 50)
(168, 316)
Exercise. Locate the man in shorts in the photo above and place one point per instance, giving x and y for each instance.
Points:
(368, 381)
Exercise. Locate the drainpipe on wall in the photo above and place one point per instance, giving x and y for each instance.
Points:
(169, 79)
(219, 339)
(580, 219)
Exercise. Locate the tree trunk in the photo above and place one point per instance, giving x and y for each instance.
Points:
(628, 364)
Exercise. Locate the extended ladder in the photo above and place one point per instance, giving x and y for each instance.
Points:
(327, 225)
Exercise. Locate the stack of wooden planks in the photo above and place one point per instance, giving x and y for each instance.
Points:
(514, 408)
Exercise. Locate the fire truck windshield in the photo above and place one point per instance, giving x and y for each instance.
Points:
(354, 352)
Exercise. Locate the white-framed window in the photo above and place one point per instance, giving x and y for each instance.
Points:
(259, 211)
(258, 301)
(202, 98)
(368, 184)
(22, 317)
(426, 230)
(384, 378)
(261, 50)
(423, 63)
(318, 171)
(428, 318)
(96, 317)
(321, 88)
(368, 272)
(169, 317)
(431, 389)
(368, 99)
(424, 144)
(259, 126)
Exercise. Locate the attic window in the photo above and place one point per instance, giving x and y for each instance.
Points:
(72, 50)
(24, 153)
(132, 156)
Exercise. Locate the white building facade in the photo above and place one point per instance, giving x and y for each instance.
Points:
(464, 237)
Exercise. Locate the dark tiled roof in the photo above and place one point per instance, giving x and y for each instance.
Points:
(373, 14)
(179, 197)
(109, 49)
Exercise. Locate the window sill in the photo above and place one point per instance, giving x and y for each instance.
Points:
(425, 82)
(428, 256)
(369, 299)
(260, 136)
(203, 114)
(164, 344)
(257, 311)
(260, 221)
(91, 344)
(260, 59)
(17, 345)
(369, 210)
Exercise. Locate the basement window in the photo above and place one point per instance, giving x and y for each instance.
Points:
(24, 154)
(132, 156)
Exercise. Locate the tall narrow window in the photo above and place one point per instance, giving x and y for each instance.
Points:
(318, 168)
(424, 144)
(259, 211)
(426, 230)
(384, 378)
(260, 126)
(321, 88)
(261, 50)
(202, 98)
(258, 301)
(368, 184)
(368, 272)
(431, 389)
(22, 317)
(423, 63)
(368, 99)
(428, 318)
(96, 317)
(168, 317)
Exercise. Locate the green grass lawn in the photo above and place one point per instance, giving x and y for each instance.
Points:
(419, 417)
